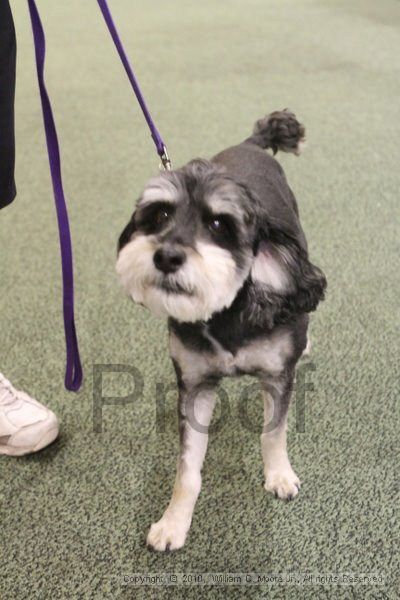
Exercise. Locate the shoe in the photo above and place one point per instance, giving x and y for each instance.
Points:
(25, 425)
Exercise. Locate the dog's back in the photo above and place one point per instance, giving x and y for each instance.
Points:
(262, 174)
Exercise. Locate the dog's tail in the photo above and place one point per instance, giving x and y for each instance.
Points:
(279, 130)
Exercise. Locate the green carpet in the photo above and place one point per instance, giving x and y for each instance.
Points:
(74, 517)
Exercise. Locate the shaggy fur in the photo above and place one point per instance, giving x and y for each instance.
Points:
(217, 247)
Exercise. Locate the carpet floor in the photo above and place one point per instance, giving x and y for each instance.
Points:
(75, 516)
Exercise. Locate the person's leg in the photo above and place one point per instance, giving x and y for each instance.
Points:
(7, 93)
(25, 424)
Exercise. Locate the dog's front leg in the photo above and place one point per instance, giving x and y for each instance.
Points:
(195, 411)
(280, 479)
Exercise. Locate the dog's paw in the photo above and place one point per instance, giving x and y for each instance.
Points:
(283, 484)
(167, 534)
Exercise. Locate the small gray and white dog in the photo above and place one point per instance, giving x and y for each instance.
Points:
(217, 247)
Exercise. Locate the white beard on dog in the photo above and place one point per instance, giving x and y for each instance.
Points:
(207, 282)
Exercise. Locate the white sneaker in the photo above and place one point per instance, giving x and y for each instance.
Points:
(25, 424)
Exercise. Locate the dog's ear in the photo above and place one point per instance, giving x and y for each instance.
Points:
(282, 267)
(127, 233)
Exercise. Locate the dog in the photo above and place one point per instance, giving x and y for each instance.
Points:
(216, 246)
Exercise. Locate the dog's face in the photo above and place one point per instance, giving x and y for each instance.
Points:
(196, 236)
(189, 245)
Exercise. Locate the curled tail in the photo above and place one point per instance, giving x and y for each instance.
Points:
(279, 130)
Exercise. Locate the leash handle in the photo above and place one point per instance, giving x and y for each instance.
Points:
(155, 134)
(73, 372)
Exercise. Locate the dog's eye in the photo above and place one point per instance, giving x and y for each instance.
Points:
(222, 227)
(161, 216)
(217, 225)
(152, 218)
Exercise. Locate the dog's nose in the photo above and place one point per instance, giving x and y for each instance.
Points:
(169, 259)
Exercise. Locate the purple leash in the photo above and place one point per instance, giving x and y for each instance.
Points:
(155, 134)
(73, 371)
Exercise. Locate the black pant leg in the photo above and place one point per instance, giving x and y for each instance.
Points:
(8, 49)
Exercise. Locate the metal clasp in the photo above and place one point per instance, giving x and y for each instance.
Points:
(165, 160)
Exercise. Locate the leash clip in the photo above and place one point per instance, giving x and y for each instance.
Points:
(165, 160)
